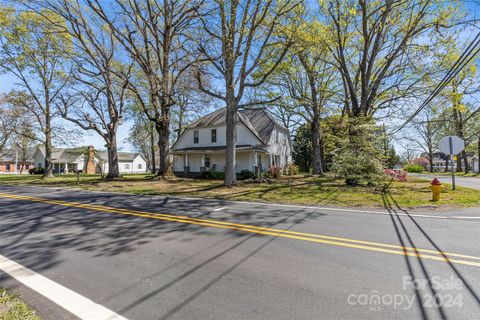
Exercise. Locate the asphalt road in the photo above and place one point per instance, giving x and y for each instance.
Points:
(468, 182)
(227, 260)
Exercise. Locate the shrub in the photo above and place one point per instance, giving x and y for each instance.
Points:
(245, 174)
(400, 175)
(355, 167)
(36, 171)
(273, 172)
(413, 168)
(214, 175)
(420, 161)
(359, 159)
(291, 169)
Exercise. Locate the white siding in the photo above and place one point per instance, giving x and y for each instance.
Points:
(280, 145)
(244, 137)
(178, 164)
(139, 161)
(38, 160)
(132, 166)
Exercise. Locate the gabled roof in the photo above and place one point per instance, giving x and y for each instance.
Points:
(62, 155)
(122, 156)
(10, 156)
(258, 121)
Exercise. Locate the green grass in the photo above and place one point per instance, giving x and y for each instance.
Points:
(13, 308)
(318, 191)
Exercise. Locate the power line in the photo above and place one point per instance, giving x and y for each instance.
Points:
(461, 62)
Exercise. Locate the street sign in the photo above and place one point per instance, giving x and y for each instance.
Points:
(451, 145)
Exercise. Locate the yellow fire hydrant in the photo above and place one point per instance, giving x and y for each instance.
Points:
(436, 187)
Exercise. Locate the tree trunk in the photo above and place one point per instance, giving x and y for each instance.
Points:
(48, 149)
(465, 162)
(113, 171)
(317, 146)
(322, 152)
(430, 158)
(163, 131)
(230, 152)
(478, 154)
(153, 166)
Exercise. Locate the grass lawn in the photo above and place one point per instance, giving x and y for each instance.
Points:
(12, 308)
(323, 191)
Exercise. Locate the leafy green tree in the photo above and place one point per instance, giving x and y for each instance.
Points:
(243, 39)
(360, 159)
(35, 52)
(302, 148)
(307, 74)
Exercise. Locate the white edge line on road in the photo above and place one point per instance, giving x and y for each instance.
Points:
(71, 301)
(219, 209)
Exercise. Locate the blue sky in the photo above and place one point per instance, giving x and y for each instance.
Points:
(7, 82)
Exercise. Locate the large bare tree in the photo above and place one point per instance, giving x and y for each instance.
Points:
(156, 35)
(242, 38)
(97, 99)
(380, 48)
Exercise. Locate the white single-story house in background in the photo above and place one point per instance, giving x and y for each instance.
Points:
(88, 160)
(261, 142)
(128, 162)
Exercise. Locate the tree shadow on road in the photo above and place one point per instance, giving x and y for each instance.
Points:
(37, 234)
(405, 238)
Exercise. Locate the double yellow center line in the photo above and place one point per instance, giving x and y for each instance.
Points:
(316, 238)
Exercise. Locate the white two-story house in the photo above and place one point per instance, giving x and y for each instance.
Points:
(260, 143)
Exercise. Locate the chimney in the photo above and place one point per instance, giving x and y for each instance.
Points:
(90, 160)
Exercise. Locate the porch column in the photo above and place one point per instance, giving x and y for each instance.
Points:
(65, 171)
(256, 168)
(186, 165)
(202, 167)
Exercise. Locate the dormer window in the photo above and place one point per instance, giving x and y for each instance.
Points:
(214, 135)
(195, 136)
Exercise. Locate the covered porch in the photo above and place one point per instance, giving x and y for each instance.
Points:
(189, 162)
(64, 167)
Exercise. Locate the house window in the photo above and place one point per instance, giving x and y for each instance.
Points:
(214, 135)
(139, 167)
(195, 136)
(127, 166)
(259, 160)
(7, 167)
(39, 165)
